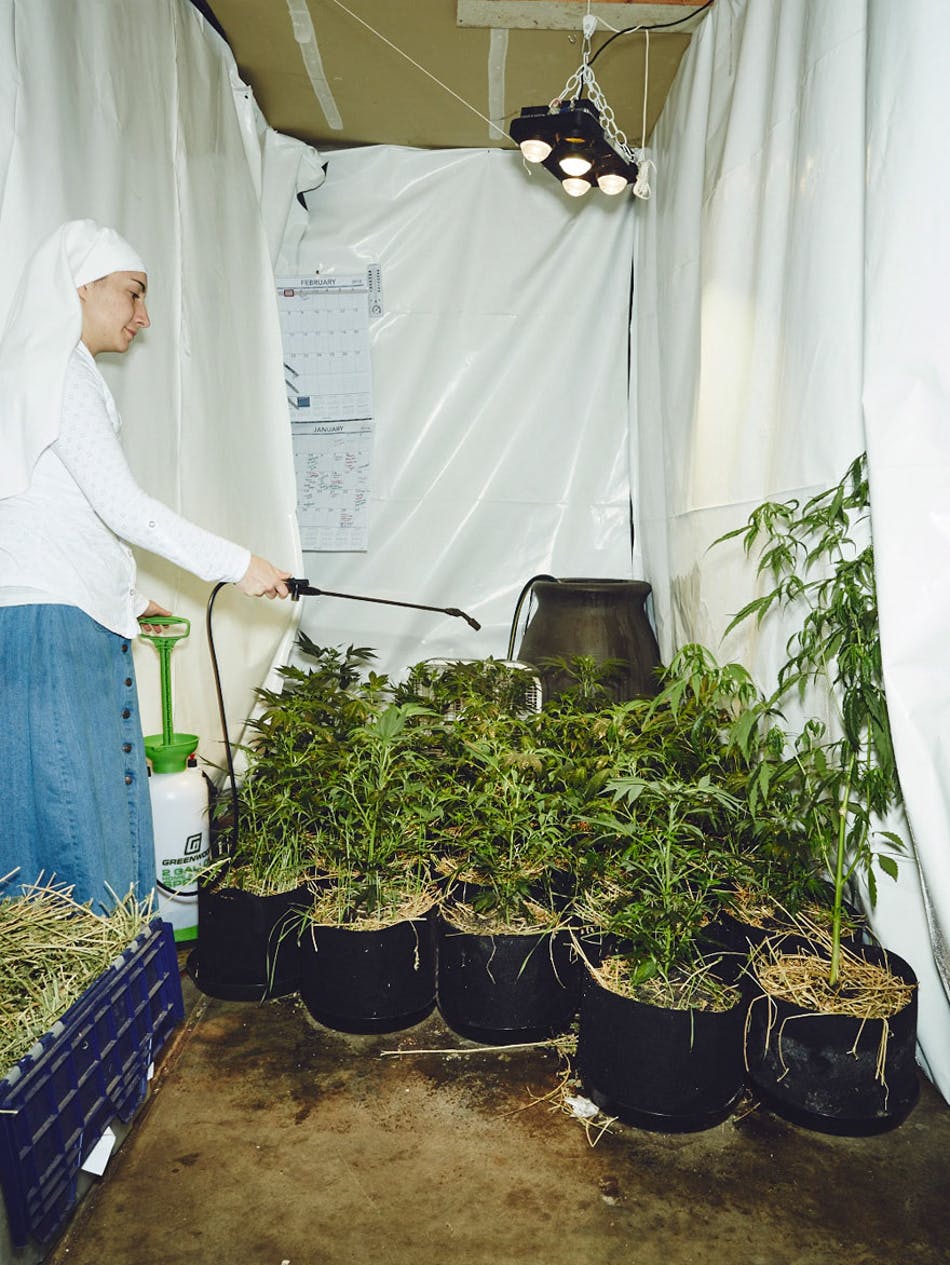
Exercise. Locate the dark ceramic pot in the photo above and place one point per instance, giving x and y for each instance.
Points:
(603, 618)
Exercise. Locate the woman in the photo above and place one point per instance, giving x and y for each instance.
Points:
(74, 799)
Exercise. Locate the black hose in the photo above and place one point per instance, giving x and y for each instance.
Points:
(224, 724)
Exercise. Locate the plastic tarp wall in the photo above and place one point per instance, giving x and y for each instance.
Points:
(500, 381)
(907, 416)
(131, 114)
(781, 287)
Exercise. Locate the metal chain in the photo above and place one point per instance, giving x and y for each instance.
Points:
(582, 77)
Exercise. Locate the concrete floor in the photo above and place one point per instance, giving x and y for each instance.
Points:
(268, 1140)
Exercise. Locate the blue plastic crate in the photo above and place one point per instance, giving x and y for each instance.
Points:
(89, 1069)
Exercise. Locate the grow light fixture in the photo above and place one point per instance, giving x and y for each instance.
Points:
(576, 137)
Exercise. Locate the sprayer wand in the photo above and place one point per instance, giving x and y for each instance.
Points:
(303, 588)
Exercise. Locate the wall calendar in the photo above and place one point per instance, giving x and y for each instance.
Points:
(324, 325)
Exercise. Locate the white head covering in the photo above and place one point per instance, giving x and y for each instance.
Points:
(42, 329)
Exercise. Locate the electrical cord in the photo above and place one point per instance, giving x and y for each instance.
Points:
(657, 26)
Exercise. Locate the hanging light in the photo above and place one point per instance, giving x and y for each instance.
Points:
(533, 133)
(575, 137)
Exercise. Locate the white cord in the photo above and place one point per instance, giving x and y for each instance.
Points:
(641, 186)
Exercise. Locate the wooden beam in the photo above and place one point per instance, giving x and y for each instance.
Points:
(567, 15)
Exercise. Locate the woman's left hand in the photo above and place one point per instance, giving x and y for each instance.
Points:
(153, 608)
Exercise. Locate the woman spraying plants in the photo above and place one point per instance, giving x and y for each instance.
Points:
(72, 768)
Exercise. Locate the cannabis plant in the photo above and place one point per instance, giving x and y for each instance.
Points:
(819, 559)
(294, 740)
(503, 830)
(372, 839)
(667, 870)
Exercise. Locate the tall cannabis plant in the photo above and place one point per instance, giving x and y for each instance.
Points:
(819, 558)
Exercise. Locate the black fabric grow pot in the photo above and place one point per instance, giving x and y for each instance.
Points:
(505, 989)
(247, 944)
(369, 981)
(820, 1071)
(669, 1071)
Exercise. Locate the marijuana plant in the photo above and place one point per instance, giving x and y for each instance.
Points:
(819, 558)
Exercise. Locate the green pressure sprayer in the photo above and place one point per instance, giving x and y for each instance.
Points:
(178, 792)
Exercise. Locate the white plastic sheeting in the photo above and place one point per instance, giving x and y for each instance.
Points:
(500, 382)
(127, 113)
(764, 318)
(907, 415)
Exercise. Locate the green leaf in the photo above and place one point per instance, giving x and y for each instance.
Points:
(889, 866)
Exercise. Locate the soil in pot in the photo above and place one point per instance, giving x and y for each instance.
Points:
(503, 988)
(851, 1074)
(380, 980)
(656, 1067)
(247, 944)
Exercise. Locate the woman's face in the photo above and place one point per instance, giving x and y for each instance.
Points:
(113, 311)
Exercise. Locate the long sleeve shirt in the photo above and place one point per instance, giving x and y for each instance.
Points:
(66, 539)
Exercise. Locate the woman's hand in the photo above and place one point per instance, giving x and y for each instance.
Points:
(263, 579)
(153, 608)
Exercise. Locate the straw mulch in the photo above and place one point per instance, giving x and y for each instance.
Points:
(696, 989)
(864, 989)
(52, 950)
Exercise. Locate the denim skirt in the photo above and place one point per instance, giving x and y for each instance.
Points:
(74, 797)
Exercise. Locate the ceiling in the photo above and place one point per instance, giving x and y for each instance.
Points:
(337, 73)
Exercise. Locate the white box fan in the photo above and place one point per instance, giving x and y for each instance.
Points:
(509, 682)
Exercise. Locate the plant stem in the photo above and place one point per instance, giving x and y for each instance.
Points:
(843, 809)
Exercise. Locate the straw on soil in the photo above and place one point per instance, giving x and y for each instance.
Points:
(528, 921)
(864, 989)
(331, 908)
(696, 989)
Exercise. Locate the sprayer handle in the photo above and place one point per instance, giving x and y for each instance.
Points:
(165, 621)
(300, 588)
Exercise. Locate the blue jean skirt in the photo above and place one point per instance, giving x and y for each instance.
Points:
(74, 797)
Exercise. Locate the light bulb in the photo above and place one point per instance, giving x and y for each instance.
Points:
(611, 182)
(575, 164)
(576, 186)
(535, 150)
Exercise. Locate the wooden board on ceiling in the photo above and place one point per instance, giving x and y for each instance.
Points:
(567, 15)
(406, 73)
